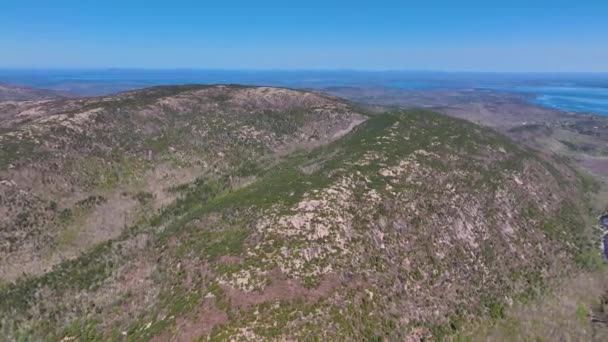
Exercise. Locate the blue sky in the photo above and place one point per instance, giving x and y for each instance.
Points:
(447, 35)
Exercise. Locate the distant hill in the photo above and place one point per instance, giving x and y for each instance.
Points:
(257, 213)
(11, 92)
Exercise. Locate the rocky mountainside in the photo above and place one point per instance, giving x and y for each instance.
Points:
(76, 172)
(582, 137)
(11, 92)
(243, 213)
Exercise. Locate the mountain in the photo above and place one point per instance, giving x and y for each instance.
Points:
(256, 213)
(76, 172)
(11, 92)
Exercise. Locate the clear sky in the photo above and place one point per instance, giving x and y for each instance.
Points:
(452, 35)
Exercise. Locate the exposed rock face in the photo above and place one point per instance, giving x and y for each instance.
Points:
(399, 230)
(77, 172)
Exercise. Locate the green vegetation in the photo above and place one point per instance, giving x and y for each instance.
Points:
(214, 244)
(361, 230)
(581, 313)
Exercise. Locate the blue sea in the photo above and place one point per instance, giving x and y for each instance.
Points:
(569, 98)
(584, 93)
(570, 92)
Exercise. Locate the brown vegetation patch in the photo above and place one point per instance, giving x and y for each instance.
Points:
(597, 165)
(186, 329)
(282, 288)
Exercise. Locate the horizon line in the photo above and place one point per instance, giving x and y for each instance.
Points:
(354, 70)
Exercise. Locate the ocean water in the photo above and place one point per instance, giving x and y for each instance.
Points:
(569, 92)
(569, 98)
(588, 97)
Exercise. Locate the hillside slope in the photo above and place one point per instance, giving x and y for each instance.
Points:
(76, 172)
(405, 228)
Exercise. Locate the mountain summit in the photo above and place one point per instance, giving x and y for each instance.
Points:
(250, 213)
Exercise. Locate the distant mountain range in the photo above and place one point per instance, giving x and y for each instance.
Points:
(11, 92)
(580, 92)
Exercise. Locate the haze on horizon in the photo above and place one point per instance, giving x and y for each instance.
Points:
(522, 36)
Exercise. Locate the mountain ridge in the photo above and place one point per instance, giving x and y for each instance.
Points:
(105, 161)
(406, 227)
